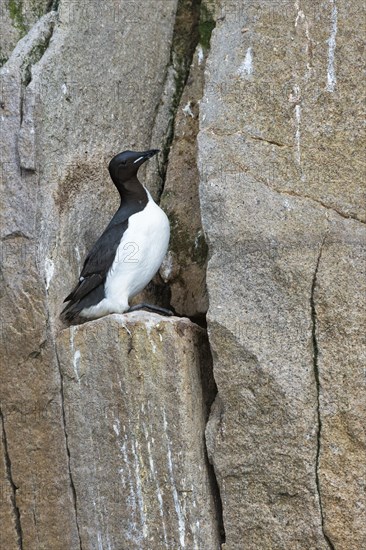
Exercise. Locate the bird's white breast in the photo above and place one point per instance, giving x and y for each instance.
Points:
(139, 255)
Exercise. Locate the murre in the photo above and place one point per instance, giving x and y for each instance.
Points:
(128, 254)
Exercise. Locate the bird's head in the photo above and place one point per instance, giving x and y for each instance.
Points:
(124, 166)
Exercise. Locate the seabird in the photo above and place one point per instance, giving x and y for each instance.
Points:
(129, 252)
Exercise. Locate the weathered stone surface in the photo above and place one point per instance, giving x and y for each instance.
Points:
(185, 265)
(135, 418)
(340, 299)
(286, 75)
(282, 196)
(279, 125)
(184, 271)
(264, 447)
(16, 19)
(62, 119)
(181, 282)
(30, 401)
(185, 39)
(8, 513)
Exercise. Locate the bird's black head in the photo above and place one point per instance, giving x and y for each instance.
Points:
(124, 166)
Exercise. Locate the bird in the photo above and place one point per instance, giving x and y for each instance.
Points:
(128, 253)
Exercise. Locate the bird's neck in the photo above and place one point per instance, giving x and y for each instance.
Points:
(131, 191)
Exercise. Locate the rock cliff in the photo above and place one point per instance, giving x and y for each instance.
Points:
(138, 431)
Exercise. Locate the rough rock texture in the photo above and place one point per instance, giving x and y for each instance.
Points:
(135, 418)
(17, 18)
(181, 281)
(72, 94)
(340, 304)
(9, 517)
(279, 155)
(185, 265)
(86, 462)
(184, 270)
(33, 440)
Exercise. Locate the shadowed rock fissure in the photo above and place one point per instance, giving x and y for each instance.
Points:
(318, 385)
(215, 490)
(271, 142)
(53, 5)
(72, 485)
(186, 37)
(14, 488)
(184, 43)
(209, 392)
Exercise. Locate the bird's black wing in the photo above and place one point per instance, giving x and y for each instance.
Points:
(98, 261)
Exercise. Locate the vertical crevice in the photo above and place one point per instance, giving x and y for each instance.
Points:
(33, 57)
(72, 484)
(193, 26)
(318, 388)
(52, 5)
(215, 491)
(14, 488)
(209, 393)
(185, 40)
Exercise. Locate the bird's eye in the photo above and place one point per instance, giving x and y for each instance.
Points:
(124, 162)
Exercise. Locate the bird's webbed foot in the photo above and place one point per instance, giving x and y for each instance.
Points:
(154, 309)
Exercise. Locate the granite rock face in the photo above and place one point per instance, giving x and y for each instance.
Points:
(185, 265)
(135, 418)
(283, 211)
(40, 503)
(72, 95)
(102, 426)
(17, 18)
(340, 321)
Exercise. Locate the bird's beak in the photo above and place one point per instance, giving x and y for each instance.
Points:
(143, 157)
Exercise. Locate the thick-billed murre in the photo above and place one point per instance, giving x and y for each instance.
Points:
(129, 252)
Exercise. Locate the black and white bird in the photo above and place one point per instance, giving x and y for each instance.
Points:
(129, 252)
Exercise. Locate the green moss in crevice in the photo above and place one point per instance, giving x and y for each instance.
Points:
(53, 5)
(206, 26)
(194, 25)
(16, 14)
(37, 10)
(186, 247)
(33, 57)
(38, 51)
(3, 58)
(200, 249)
(185, 40)
(180, 240)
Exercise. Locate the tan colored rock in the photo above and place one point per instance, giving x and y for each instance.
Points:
(9, 536)
(181, 283)
(135, 418)
(185, 265)
(33, 427)
(64, 114)
(279, 127)
(184, 268)
(282, 198)
(262, 440)
(340, 298)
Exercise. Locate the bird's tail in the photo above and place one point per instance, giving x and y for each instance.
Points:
(70, 315)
